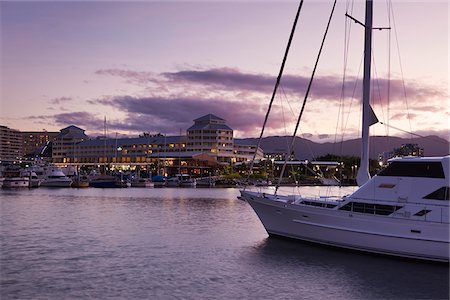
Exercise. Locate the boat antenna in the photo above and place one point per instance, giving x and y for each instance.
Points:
(291, 36)
(291, 146)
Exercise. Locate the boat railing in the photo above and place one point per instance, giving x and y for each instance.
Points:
(440, 212)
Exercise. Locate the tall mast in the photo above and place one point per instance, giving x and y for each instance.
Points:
(367, 113)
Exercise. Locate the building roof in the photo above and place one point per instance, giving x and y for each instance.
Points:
(242, 142)
(198, 126)
(209, 117)
(135, 141)
(72, 135)
(72, 127)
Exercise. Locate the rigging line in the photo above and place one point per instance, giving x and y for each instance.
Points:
(276, 87)
(306, 96)
(353, 96)
(415, 134)
(389, 69)
(347, 32)
(401, 69)
(377, 81)
(284, 119)
(293, 114)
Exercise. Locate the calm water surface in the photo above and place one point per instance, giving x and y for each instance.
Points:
(181, 244)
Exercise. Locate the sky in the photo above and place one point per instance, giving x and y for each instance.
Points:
(150, 66)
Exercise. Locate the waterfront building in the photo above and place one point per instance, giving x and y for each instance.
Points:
(11, 150)
(35, 141)
(211, 134)
(206, 145)
(243, 151)
(64, 144)
(404, 150)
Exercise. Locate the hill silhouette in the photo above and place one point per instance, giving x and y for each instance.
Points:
(306, 149)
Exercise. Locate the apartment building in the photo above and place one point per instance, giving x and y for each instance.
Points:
(11, 150)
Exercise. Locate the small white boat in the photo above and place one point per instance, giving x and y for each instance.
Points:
(56, 178)
(16, 182)
(15, 179)
(35, 181)
(205, 182)
(142, 182)
(181, 180)
(173, 181)
(80, 181)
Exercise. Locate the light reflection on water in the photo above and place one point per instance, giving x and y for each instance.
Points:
(181, 243)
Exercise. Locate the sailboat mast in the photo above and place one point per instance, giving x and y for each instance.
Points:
(363, 171)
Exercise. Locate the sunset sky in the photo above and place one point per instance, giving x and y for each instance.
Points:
(155, 66)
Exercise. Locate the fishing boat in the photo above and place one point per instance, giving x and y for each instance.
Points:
(403, 211)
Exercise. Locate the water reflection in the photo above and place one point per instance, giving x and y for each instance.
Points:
(354, 275)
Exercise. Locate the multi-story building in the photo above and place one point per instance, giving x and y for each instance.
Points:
(211, 134)
(11, 150)
(64, 144)
(208, 142)
(404, 150)
(244, 151)
(35, 141)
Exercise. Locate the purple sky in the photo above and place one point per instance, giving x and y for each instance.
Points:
(156, 66)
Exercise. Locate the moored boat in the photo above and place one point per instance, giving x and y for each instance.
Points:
(403, 211)
(56, 178)
(15, 179)
(141, 182)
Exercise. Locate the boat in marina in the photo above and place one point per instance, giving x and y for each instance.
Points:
(403, 211)
(35, 181)
(141, 182)
(159, 181)
(80, 181)
(107, 181)
(181, 180)
(56, 178)
(15, 179)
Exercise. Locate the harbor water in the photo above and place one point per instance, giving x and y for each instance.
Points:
(177, 243)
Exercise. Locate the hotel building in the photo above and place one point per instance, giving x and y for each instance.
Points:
(208, 143)
(64, 144)
(35, 141)
(11, 150)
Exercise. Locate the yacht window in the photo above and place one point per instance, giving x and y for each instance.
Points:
(414, 169)
(440, 194)
(321, 204)
(423, 212)
(370, 208)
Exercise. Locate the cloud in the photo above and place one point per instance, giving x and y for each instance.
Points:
(60, 100)
(171, 114)
(170, 101)
(136, 77)
(326, 88)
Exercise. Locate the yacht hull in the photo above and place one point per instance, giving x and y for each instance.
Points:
(376, 234)
(16, 182)
(56, 183)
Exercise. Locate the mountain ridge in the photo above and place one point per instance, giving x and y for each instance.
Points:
(307, 149)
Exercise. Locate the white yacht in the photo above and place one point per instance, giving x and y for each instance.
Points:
(403, 211)
(15, 179)
(56, 178)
